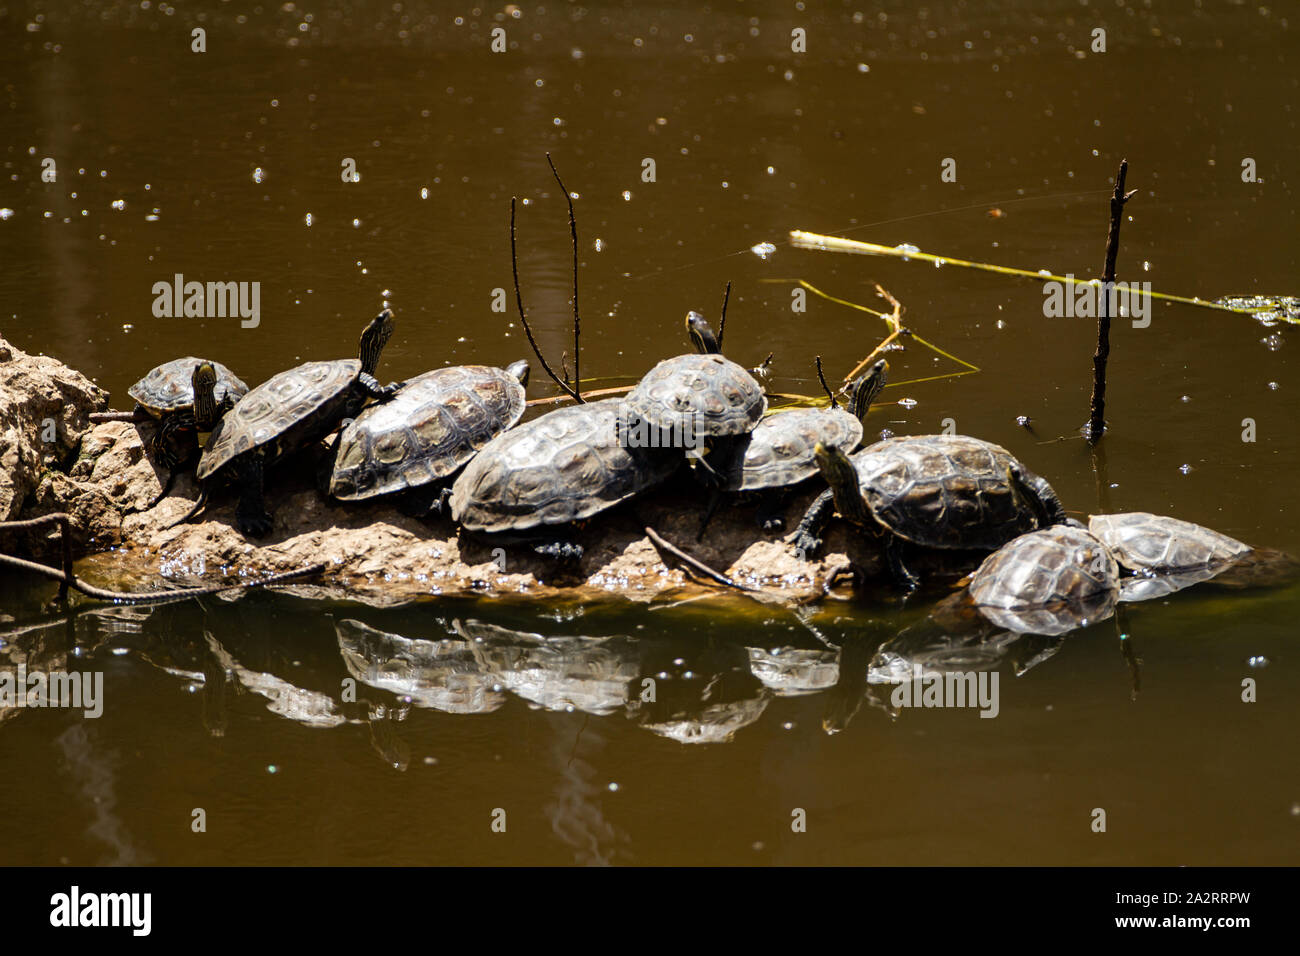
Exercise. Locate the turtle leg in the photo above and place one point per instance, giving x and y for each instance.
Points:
(566, 552)
(251, 515)
(771, 510)
(1038, 493)
(371, 387)
(905, 579)
(424, 502)
(715, 499)
(808, 536)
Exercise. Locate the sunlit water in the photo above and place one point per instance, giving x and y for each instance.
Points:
(339, 733)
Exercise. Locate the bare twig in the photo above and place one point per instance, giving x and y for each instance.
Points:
(523, 318)
(577, 324)
(663, 545)
(67, 579)
(1097, 414)
(136, 416)
(822, 378)
(722, 322)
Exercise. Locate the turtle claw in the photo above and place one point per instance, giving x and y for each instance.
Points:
(806, 545)
(773, 524)
(253, 524)
(565, 552)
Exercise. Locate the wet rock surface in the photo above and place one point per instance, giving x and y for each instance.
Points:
(104, 479)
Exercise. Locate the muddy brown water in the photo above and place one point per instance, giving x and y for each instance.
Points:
(464, 709)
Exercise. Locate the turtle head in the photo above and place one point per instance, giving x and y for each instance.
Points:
(520, 371)
(204, 383)
(373, 340)
(867, 388)
(701, 334)
(840, 474)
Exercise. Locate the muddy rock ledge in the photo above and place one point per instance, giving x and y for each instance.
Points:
(101, 475)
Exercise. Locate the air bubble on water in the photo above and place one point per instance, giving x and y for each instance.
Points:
(6, 213)
(763, 249)
(356, 223)
(127, 327)
(613, 787)
(576, 54)
(938, 263)
(258, 174)
(1185, 469)
(908, 402)
(152, 217)
(1146, 266)
(886, 434)
(556, 121)
(118, 204)
(1186, 398)
(424, 192)
(771, 170)
(1295, 809)
(789, 75)
(788, 725)
(1000, 324)
(1258, 660)
(307, 219)
(1273, 386)
(863, 68)
(272, 768)
(1273, 342)
(600, 245)
(1045, 273)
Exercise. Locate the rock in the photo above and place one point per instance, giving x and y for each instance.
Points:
(44, 412)
(104, 479)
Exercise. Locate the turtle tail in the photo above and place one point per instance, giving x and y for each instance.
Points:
(193, 512)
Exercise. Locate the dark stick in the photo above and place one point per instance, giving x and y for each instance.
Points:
(519, 301)
(822, 378)
(1097, 416)
(577, 324)
(658, 541)
(722, 322)
(97, 417)
(64, 521)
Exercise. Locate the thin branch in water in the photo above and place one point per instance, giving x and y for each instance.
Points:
(1097, 411)
(523, 317)
(722, 322)
(577, 324)
(822, 378)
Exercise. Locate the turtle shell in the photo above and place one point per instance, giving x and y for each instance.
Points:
(1147, 542)
(944, 491)
(286, 411)
(564, 466)
(700, 395)
(779, 451)
(435, 423)
(170, 387)
(1057, 565)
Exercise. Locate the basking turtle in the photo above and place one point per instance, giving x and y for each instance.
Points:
(433, 426)
(691, 401)
(778, 453)
(288, 411)
(1047, 582)
(539, 477)
(937, 491)
(166, 395)
(1155, 543)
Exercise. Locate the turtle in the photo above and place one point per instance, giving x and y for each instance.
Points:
(778, 453)
(694, 401)
(539, 477)
(289, 411)
(936, 491)
(1149, 543)
(166, 395)
(1167, 554)
(1048, 581)
(433, 426)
